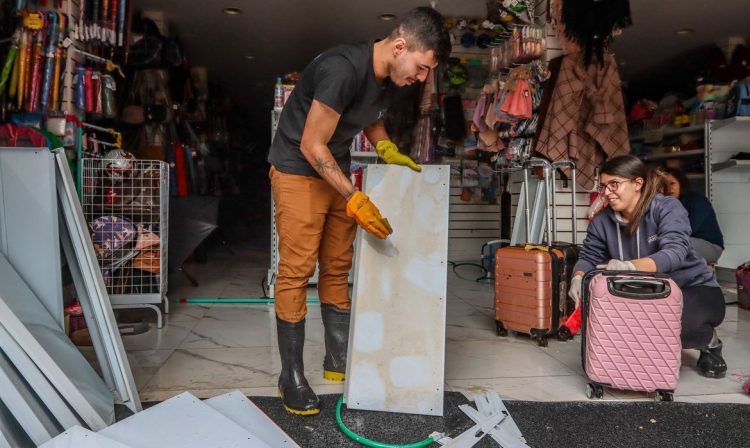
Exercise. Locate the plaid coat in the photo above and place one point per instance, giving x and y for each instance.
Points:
(585, 121)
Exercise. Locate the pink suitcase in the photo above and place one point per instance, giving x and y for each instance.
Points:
(631, 327)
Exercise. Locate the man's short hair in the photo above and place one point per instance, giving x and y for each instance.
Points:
(424, 29)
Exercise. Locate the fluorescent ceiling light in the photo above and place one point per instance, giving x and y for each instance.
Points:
(232, 11)
(387, 17)
(684, 31)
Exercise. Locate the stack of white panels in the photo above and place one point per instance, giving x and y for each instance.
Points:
(44, 380)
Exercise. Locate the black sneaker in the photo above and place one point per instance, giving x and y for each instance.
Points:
(711, 364)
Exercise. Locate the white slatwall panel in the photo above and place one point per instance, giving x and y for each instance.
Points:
(470, 225)
(730, 188)
(564, 210)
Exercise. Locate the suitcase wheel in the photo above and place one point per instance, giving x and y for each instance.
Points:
(594, 390)
(501, 330)
(663, 395)
(564, 334)
(542, 341)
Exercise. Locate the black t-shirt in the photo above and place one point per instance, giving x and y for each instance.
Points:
(343, 79)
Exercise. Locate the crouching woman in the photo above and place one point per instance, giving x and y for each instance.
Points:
(644, 230)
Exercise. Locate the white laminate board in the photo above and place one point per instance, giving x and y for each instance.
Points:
(238, 408)
(77, 437)
(182, 421)
(31, 326)
(28, 223)
(396, 351)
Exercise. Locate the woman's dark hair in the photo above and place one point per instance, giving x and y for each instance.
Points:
(681, 178)
(654, 182)
(424, 29)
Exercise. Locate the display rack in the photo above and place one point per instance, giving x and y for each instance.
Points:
(126, 206)
(728, 185)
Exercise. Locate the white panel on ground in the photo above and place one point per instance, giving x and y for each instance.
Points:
(238, 408)
(182, 421)
(29, 323)
(397, 338)
(77, 437)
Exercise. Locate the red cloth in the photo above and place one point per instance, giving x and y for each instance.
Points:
(12, 135)
(574, 321)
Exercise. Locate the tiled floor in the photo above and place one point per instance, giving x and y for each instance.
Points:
(210, 349)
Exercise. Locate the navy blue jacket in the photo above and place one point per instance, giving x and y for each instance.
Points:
(663, 236)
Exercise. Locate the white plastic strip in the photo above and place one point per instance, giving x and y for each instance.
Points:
(506, 434)
(97, 309)
(11, 433)
(26, 408)
(182, 421)
(36, 380)
(238, 408)
(51, 350)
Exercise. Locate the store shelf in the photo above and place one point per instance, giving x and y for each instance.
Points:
(371, 154)
(673, 155)
(730, 123)
(731, 164)
(669, 131)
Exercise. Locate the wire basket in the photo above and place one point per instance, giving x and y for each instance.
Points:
(126, 203)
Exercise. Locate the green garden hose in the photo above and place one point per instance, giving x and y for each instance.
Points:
(367, 442)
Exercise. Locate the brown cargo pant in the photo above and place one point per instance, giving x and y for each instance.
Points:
(312, 226)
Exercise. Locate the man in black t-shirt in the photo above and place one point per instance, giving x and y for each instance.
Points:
(343, 91)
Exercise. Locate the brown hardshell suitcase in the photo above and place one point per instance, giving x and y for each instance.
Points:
(531, 290)
(532, 281)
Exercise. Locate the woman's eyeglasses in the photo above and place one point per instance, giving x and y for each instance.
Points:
(612, 186)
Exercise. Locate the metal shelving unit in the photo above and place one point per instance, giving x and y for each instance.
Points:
(728, 185)
(668, 131)
(673, 155)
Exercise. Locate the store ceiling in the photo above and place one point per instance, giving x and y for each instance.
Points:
(284, 35)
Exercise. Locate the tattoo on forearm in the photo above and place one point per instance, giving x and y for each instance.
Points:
(330, 171)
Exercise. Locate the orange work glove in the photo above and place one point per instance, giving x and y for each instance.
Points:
(367, 215)
(388, 151)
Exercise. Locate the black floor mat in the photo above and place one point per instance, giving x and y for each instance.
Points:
(543, 424)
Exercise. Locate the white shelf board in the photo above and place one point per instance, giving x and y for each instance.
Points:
(730, 164)
(673, 155)
(669, 131)
(730, 123)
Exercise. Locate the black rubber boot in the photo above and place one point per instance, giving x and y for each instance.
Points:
(296, 394)
(336, 323)
(710, 363)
